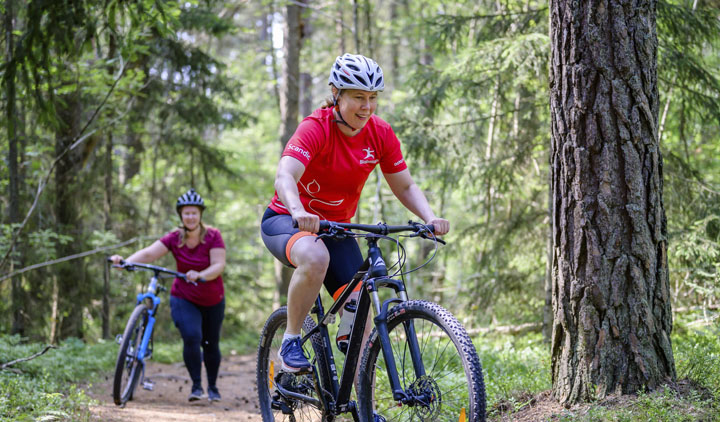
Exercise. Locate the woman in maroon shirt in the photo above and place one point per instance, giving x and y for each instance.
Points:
(197, 309)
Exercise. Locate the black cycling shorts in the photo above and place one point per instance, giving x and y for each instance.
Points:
(279, 235)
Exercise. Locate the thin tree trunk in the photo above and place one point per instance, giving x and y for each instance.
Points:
(369, 30)
(394, 45)
(108, 227)
(489, 149)
(273, 56)
(356, 27)
(340, 27)
(611, 295)
(54, 322)
(67, 203)
(289, 105)
(290, 90)
(17, 293)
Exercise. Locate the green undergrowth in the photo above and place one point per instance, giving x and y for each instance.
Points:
(513, 367)
(516, 370)
(42, 389)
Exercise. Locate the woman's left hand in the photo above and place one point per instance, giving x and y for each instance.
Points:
(442, 226)
(192, 275)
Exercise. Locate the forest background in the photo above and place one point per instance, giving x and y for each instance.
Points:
(112, 109)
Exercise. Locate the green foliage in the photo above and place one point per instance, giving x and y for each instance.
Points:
(697, 357)
(513, 367)
(44, 389)
(661, 406)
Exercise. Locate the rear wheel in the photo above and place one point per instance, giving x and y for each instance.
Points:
(451, 388)
(127, 368)
(275, 406)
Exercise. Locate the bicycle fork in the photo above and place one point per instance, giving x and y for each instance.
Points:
(378, 269)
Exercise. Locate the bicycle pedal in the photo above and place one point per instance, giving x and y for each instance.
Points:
(148, 385)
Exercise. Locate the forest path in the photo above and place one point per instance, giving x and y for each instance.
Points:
(167, 402)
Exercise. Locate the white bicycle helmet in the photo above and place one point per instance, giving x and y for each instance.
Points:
(190, 198)
(354, 71)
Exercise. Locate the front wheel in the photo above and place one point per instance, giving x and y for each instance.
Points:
(451, 388)
(128, 368)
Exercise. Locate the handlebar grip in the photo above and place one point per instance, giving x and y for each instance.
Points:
(324, 224)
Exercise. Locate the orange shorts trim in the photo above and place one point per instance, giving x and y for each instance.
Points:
(294, 238)
(340, 291)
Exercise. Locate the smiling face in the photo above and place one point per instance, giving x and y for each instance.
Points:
(191, 216)
(357, 106)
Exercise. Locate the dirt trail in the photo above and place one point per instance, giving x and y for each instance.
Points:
(167, 402)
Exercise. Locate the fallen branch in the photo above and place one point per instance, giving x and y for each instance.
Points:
(16, 361)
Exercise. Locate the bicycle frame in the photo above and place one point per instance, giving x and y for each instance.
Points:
(373, 275)
(149, 294)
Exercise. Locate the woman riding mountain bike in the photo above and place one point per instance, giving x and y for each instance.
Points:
(197, 309)
(320, 175)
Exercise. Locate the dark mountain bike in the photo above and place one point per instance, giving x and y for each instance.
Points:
(418, 364)
(136, 342)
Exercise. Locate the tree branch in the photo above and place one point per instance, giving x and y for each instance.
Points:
(16, 361)
(71, 257)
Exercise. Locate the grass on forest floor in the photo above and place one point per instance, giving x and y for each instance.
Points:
(516, 371)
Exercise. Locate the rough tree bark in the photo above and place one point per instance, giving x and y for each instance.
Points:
(611, 297)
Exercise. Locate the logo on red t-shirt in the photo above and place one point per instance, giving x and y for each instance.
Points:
(369, 154)
(299, 150)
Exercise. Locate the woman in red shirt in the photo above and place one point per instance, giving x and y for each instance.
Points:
(197, 309)
(320, 176)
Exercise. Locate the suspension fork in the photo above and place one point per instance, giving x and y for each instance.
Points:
(378, 269)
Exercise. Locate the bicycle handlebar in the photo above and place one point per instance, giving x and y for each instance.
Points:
(131, 266)
(383, 229)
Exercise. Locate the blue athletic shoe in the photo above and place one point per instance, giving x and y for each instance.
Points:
(292, 356)
(378, 418)
(196, 394)
(213, 394)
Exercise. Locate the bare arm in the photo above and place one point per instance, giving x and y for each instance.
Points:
(144, 256)
(404, 188)
(217, 265)
(288, 174)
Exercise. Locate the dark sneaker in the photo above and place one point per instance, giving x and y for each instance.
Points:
(292, 356)
(196, 394)
(378, 418)
(213, 394)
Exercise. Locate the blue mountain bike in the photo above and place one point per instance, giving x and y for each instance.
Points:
(136, 342)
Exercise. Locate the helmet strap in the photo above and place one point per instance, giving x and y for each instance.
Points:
(336, 108)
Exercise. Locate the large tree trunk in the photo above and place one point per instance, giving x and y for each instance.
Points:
(611, 298)
(67, 203)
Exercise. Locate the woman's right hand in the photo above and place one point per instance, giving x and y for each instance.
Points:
(116, 260)
(307, 222)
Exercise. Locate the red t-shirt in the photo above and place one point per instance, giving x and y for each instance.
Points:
(198, 258)
(337, 165)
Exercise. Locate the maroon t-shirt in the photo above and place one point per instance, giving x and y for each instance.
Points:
(198, 258)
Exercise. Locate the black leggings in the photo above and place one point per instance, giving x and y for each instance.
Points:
(345, 255)
(200, 328)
